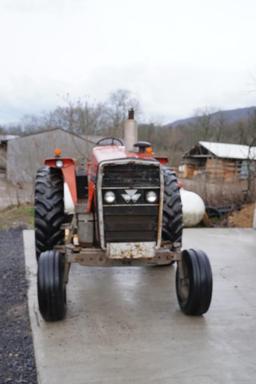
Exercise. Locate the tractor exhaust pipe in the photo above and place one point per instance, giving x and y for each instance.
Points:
(130, 131)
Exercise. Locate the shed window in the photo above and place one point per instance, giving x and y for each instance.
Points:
(246, 168)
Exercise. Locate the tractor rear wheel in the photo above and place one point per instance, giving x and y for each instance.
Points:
(194, 282)
(172, 210)
(51, 286)
(49, 209)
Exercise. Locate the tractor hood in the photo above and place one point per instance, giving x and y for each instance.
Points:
(114, 152)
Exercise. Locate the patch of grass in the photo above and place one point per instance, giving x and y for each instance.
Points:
(17, 216)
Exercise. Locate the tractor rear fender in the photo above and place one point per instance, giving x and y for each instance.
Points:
(91, 170)
(69, 176)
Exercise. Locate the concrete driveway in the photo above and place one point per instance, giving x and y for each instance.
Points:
(124, 326)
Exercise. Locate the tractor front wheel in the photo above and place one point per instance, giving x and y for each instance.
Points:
(194, 282)
(51, 285)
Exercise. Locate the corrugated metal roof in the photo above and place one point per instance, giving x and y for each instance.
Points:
(88, 138)
(91, 138)
(230, 151)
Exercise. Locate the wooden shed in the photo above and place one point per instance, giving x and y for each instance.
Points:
(221, 161)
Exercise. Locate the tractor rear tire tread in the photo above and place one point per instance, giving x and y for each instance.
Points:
(49, 209)
(172, 209)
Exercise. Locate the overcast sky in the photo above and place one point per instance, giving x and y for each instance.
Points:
(174, 55)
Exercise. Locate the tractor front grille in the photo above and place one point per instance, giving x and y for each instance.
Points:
(131, 175)
(135, 220)
(130, 224)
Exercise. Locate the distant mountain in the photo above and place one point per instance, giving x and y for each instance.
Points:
(230, 116)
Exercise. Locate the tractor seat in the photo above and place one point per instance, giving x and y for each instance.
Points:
(142, 145)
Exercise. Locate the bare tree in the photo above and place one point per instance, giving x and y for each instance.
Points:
(251, 158)
(240, 128)
(204, 123)
(117, 105)
(87, 117)
(220, 124)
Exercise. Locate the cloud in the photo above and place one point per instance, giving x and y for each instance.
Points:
(175, 55)
(34, 6)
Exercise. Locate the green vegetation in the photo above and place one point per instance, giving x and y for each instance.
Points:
(17, 216)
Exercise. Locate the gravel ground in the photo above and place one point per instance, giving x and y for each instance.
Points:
(17, 364)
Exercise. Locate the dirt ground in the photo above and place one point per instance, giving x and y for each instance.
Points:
(242, 218)
(17, 217)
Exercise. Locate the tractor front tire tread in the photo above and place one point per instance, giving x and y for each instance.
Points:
(200, 283)
(51, 287)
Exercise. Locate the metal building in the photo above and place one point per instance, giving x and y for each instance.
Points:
(26, 154)
(4, 140)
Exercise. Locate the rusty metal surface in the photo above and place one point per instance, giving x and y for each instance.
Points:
(85, 224)
(136, 250)
(161, 207)
(99, 257)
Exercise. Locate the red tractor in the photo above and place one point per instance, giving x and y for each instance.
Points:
(123, 209)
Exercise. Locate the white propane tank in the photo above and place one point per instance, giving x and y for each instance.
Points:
(193, 208)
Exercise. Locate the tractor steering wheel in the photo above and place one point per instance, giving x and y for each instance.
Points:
(110, 141)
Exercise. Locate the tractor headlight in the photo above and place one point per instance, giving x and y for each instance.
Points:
(59, 163)
(109, 197)
(151, 197)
